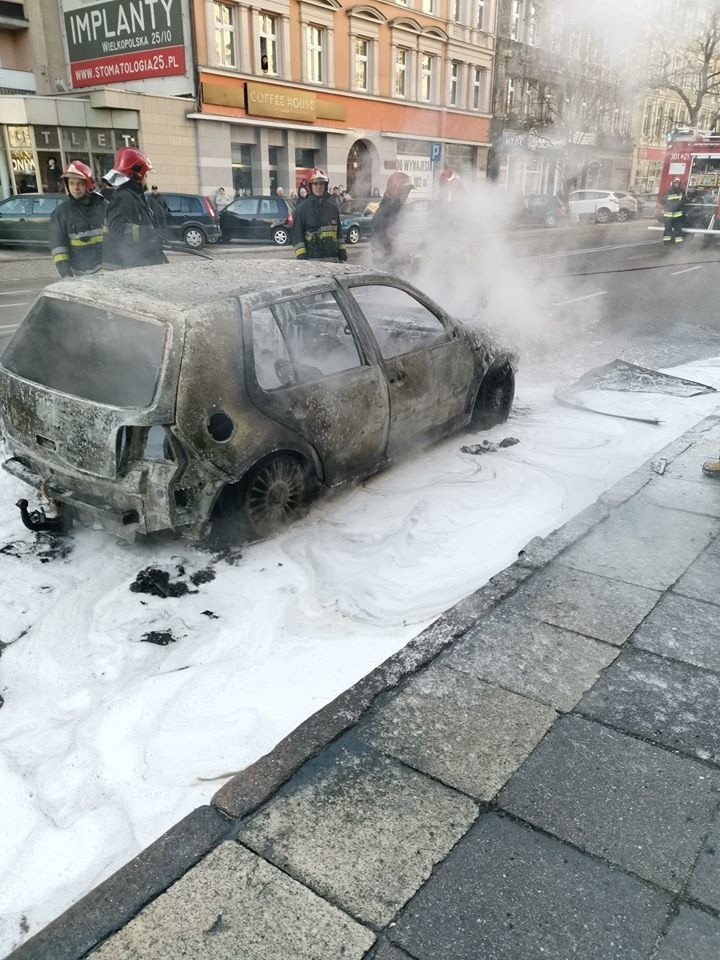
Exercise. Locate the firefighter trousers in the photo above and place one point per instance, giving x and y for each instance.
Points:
(673, 229)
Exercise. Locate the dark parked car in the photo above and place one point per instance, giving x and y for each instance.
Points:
(191, 219)
(359, 225)
(543, 208)
(170, 397)
(25, 219)
(267, 219)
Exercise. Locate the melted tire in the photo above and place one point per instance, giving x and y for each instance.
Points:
(495, 397)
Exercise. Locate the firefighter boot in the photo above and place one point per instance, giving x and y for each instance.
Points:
(711, 468)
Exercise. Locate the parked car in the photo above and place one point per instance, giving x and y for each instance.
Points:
(543, 208)
(191, 219)
(357, 226)
(25, 219)
(598, 205)
(629, 205)
(172, 397)
(268, 219)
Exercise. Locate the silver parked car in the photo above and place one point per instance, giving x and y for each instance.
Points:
(166, 398)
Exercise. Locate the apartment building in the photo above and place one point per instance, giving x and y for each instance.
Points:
(360, 89)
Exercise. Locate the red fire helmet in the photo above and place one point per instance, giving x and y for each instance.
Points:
(448, 175)
(398, 185)
(318, 176)
(76, 168)
(132, 163)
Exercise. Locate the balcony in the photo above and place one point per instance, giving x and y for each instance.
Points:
(12, 16)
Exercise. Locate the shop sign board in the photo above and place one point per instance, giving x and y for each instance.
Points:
(266, 100)
(115, 41)
(419, 169)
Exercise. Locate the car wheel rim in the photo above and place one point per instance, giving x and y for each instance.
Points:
(193, 238)
(354, 236)
(280, 237)
(276, 494)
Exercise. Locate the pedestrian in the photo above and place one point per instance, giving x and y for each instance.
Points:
(317, 233)
(221, 200)
(673, 207)
(160, 209)
(386, 222)
(376, 193)
(132, 235)
(293, 198)
(279, 192)
(335, 197)
(76, 224)
(302, 194)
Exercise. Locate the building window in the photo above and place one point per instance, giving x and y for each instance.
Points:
(509, 95)
(427, 6)
(225, 34)
(268, 33)
(427, 76)
(362, 63)
(532, 24)
(454, 76)
(401, 62)
(315, 54)
(478, 94)
(515, 20)
(479, 14)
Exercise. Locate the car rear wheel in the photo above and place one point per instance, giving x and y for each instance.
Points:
(550, 220)
(194, 238)
(353, 235)
(275, 493)
(603, 215)
(280, 236)
(495, 397)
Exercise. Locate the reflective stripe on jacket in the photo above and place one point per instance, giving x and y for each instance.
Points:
(76, 235)
(673, 203)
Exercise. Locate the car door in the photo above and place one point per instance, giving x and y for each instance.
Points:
(38, 219)
(307, 369)
(176, 215)
(267, 215)
(238, 219)
(428, 368)
(13, 219)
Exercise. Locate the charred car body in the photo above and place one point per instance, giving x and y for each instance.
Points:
(163, 397)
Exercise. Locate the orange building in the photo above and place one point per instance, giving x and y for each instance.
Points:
(360, 89)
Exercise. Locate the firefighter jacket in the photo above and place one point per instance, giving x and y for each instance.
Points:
(132, 235)
(76, 235)
(385, 225)
(673, 202)
(317, 233)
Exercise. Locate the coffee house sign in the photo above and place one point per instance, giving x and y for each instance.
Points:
(112, 41)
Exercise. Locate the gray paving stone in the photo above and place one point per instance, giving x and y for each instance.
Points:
(386, 951)
(233, 905)
(541, 550)
(702, 579)
(466, 733)
(660, 700)
(684, 629)
(584, 603)
(644, 544)
(507, 892)
(687, 465)
(705, 880)
(531, 658)
(695, 496)
(693, 935)
(636, 805)
(361, 830)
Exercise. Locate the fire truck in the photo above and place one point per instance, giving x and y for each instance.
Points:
(694, 158)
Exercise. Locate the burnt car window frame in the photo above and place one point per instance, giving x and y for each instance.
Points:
(351, 283)
(270, 303)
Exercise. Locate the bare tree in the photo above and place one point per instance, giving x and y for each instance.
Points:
(688, 64)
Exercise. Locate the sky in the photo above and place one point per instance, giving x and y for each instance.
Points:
(108, 739)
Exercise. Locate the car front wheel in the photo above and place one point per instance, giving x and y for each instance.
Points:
(280, 237)
(353, 235)
(550, 220)
(194, 238)
(495, 397)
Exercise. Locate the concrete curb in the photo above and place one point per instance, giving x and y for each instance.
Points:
(117, 900)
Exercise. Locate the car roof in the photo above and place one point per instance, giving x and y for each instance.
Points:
(185, 284)
(34, 196)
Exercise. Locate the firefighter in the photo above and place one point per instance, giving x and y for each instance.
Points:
(317, 232)
(132, 233)
(673, 205)
(76, 224)
(386, 222)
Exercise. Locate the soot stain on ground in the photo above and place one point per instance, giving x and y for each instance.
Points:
(159, 637)
(157, 582)
(44, 548)
(488, 447)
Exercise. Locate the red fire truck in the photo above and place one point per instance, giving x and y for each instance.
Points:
(694, 158)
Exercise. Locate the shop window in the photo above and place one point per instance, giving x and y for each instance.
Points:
(315, 54)
(268, 33)
(225, 34)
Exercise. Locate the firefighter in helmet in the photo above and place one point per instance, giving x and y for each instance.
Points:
(132, 233)
(451, 186)
(317, 232)
(673, 207)
(76, 224)
(387, 220)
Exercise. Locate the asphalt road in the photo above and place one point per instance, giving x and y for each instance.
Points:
(598, 292)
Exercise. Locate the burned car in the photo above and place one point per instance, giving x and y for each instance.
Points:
(165, 398)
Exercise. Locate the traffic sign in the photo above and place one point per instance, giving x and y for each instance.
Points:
(435, 151)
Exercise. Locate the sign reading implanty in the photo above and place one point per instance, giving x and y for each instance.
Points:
(112, 41)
